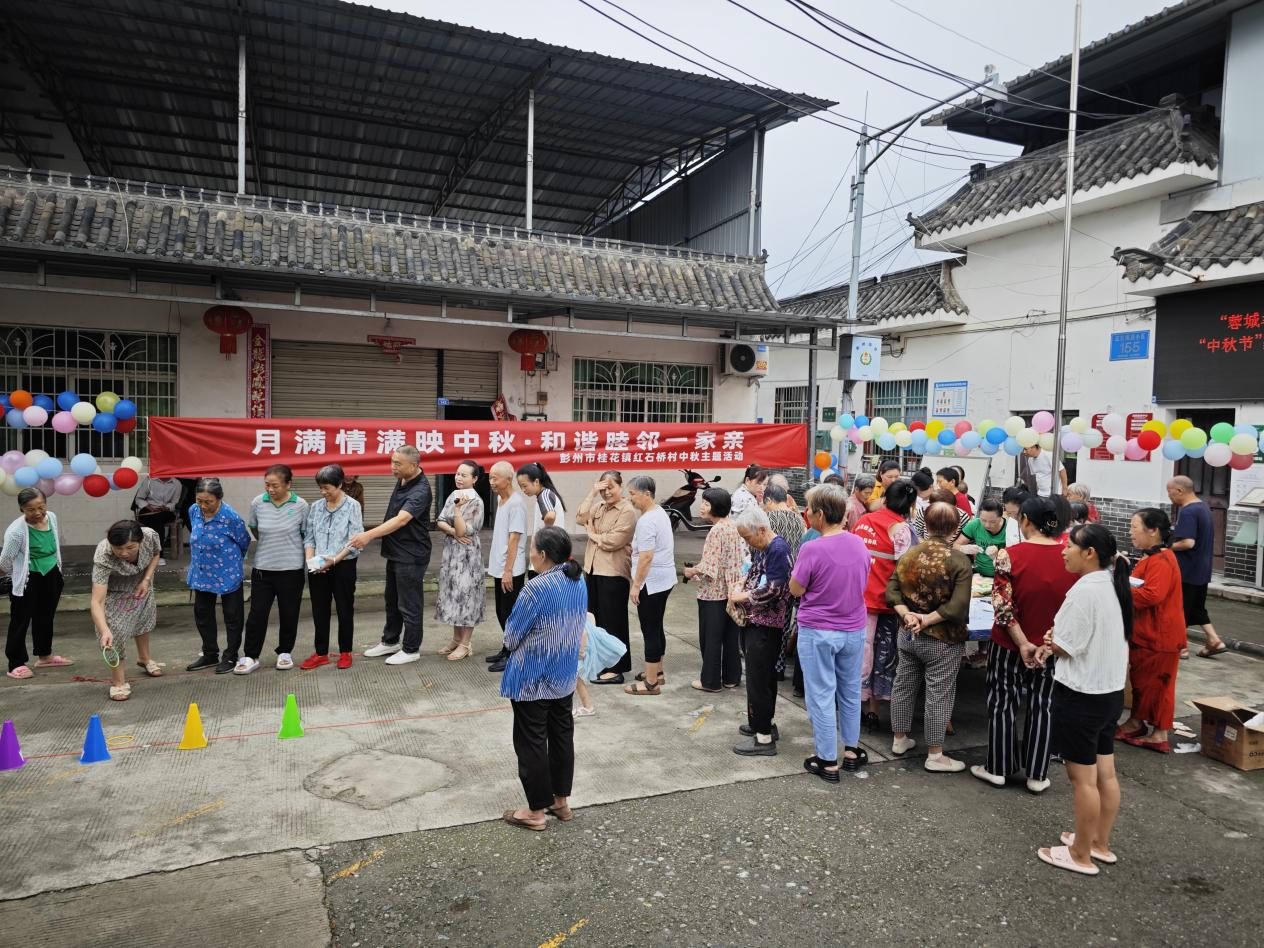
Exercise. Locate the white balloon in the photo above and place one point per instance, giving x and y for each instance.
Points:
(34, 456)
(1080, 424)
(1113, 424)
(1013, 425)
(83, 412)
(837, 435)
(1027, 437)
(1093, 439)
(1116, 444)
(1046, 441)
(10, 487)
(135, 463)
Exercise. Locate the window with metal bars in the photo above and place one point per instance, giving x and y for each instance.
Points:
(615, 391)
(790, 404)
(895, 400)
(48, 360)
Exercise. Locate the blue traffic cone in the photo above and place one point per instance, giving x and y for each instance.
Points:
(94, 749)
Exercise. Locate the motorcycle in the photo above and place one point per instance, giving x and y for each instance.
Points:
(679, 506)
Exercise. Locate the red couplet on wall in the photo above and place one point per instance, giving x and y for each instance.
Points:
(244, 447)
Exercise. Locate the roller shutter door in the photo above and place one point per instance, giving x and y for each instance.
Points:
(471, 376)
(322, 379)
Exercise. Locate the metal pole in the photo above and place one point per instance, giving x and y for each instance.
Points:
(753, 201)
(857, 224)
(1055, 481)
(530, 156)
(813, 410)
(241, 114)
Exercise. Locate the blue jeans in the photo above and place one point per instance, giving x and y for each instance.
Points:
(832, 661)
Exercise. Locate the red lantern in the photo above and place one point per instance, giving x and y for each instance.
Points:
(230, 322)
(528, 343)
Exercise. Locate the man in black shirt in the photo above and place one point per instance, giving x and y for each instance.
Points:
(405, 539)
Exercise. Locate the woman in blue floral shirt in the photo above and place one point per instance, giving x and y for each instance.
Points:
(331, 561)
(218, 542)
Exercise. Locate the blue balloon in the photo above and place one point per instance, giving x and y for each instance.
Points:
(113, 486)
(862, 420)
(988, 448)
(48, 468)
(104, 422)
(1197, 452)
(1012, 447)
(1246, 429)
(25, 477)
(14, 418)
(996, 435)
(46, 403)
(125, 410)
(947, 437)
(886, 441)
(83, 464)
(845, 422)
(970, 440)
(67, 400)
(933, 448)
(1173, 450)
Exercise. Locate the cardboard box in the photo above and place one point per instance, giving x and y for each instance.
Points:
(1225, 736)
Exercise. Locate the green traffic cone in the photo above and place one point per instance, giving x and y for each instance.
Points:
(291, 725)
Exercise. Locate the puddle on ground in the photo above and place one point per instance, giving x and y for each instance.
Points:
(374, 779)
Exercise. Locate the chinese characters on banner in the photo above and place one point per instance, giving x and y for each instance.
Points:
(1242, 332)
(258, 369)
(243, 447)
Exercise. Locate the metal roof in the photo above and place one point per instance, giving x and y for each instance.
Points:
(356, 106)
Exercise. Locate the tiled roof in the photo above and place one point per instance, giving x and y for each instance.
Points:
(60, 215)
(917, 292)
(1204, 240)
(1125, 149)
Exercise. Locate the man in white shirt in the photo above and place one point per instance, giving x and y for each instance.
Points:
(507, 559)
(653, 576)
(1035, 470)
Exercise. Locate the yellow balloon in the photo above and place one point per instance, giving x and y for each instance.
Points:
(1156, 426)
(897, 427)
(1179, 427)
(986, 425)
(934, 426)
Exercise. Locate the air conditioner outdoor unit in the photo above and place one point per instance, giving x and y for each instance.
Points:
(745, 360)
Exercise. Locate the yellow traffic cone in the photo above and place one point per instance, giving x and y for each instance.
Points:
(194, 737)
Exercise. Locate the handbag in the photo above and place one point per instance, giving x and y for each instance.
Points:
(737, 612)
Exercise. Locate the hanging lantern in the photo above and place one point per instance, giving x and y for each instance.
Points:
(230, 322)
(528, 343)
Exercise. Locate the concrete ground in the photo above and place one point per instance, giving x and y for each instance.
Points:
(379, 826)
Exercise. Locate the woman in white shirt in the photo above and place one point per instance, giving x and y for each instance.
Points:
(751, 493)
(547, 509)
(653, 576)
(1090, 637)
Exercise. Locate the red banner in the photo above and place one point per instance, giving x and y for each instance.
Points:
(243, 447)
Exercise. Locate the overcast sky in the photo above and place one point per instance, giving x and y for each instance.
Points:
(804, 160)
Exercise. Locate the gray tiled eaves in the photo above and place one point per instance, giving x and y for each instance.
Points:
(1203, 240)
(916, 292)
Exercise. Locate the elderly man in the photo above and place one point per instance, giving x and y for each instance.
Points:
(610, 520)
(156, 506)
(405, 536)
(858, 503)
(1193, 541)
(1035, 472)
(507, 558)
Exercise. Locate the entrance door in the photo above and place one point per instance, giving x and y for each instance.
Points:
(1210, 483)
(467, 411)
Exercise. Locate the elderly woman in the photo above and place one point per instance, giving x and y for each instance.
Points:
(543, 636)
(938, 496)
(787, 523)
(462, 588)
(331, 560)
(218, 541)
(31, 556)
(862, 489)
(1158, 632)
(279, 518)
(765, 599)
(751, 493)
(930, 593)
(829, 578)
(1080, 493)
(719, 570)
(611, 523)
(122, 604)
(653, 578)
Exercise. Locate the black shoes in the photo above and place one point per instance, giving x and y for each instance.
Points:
(225, 666)
(498, 657)
(751, 747)
(203, 661)
(498, 665)
(747, 731)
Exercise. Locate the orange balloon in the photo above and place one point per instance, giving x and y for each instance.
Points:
(21, 399)
(822, 459)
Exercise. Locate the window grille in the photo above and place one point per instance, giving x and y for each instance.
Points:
(613, 391)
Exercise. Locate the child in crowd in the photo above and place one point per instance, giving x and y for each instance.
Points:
(598, 650)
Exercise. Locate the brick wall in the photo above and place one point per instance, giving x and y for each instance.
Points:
(1239, 559)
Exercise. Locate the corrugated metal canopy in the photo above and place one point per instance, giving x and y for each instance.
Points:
(355, 106)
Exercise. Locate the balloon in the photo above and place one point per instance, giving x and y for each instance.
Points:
(1133, 451)
(83, 413)
(838, 434)
(1179, 427)
(853, 435)
(904, 438)
(21, 399)
(1218, 454)
(1116, 444)
(1246, 429)
(919, 439)
(865, 432)
(933, 448)
(1072, 442)
(106, 401)
(104, 422)
(1242, 462)
(1013, 425)
(1046, 440)
(1093, 439)
(34, 416)
(961, 450)
(10, 487)
(933, 427)
(996, 435)
(64, 422)
(10, 461)
(824, 474)
(1113, 424)
(879, 425)
(34, 456)
(67, 484)
(917, 426)
(962, 427)
(48, 469)
(1243, 443)
(986, 425)
(886, 441)
(1173, 450)
(971, 439)
(135, 463)
(83, 464)
(94, 485)
(1193, 438)
(67, 400)
(1042, 421)
(897, 427)
(25, 477)
(14, 418)
(1027, 437)
(125, 410)
(862, 421)
(1221, 432)
(47, 486)
(1149, 439)
(44, 402)
(1197, 452)
(822, 459)
(1012, 447)
(847, 421)
(989, 448)
(1156, 426)
(945, 437)
(1079, 424)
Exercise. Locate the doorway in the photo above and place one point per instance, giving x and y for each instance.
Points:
(1210, 483)
(444, 483)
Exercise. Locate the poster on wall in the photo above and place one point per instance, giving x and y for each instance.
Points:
(1209, 344)
(949, 399)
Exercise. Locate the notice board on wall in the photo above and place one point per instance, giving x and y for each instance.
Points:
(1209, 344)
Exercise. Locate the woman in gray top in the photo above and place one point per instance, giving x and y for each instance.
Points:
(278, 517)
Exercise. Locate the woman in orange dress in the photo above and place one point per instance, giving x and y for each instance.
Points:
(1158, 633)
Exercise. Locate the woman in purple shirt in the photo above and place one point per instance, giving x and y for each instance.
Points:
(829, 577)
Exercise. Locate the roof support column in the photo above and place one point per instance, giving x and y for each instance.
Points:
(530, 154)
(757, 140)
(241, 114)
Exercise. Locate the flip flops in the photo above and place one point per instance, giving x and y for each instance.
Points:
(21, 672)
(1108, 859)
(53, 661)
(1208, 652)
(1060, 858)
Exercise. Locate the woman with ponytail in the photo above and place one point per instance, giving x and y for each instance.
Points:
(1090, 638)
(1154, 654)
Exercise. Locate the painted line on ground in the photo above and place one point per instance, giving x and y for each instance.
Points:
(560, 937)
(355, 867)
(181, 819)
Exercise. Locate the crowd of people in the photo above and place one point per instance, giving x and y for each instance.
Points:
(866, 592)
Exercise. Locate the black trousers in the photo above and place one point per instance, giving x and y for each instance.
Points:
(650, 611)
(157, 522)
(544, 740)
(608, 602)
(285, 587)
(405, 600)
(337, 586)
(233, 606)
(718, 640)
(763, 647)
(34, 609)
(505, 600)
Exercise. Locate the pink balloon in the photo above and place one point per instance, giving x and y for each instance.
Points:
(961, 428)
(12, 460)
(1242, 462)
(64, 422)
(1042, 421)
(1218, 455)
(1133, 451)
(961, 450)
(854, 435)
(47, 486)
(67, 484)
(34, 416)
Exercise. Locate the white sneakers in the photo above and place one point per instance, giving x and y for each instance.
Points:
(986, 776)
(1038, 786)
(245, 665)
(382, 648)
(285, 661)
(579, 711)
(401, 658)
(943, 764)
(902, 745)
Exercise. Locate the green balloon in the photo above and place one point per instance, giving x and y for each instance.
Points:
(1194, 438)
(1222, 432)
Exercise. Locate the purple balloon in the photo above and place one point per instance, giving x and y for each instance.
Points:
(47, 486)
(67, 484)
(12, 460)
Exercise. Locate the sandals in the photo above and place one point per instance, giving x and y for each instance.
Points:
(152, 668)
(1108, 859)
(852, 764)
(662, 679)
(450, 647)
(642, 688)
(1060, 857)
(1122, 735)
(53, 661)
(1208, 652)
(21, 672)
(815, 765)
(461, 651)
(698, 686)
(509, 817)
(120, 692)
